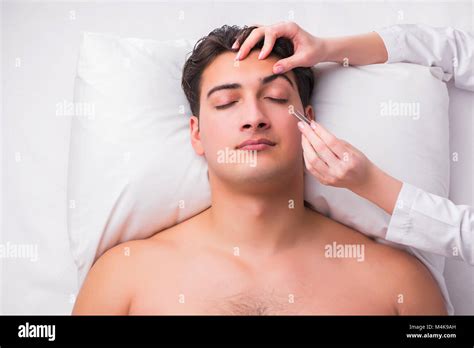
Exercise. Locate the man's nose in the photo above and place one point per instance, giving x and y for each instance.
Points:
(254, 119)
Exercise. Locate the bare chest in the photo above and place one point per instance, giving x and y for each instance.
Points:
(227, 295)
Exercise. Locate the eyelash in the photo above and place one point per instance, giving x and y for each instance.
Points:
(276, 100)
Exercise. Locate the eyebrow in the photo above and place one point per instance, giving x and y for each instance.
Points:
(265, 80)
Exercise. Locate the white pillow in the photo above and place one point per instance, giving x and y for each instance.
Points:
(133, 172)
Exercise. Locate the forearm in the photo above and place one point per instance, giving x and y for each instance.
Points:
(381, 189)
(356, 50)
(450, 49)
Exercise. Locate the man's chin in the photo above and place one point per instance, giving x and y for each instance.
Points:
(261, 174)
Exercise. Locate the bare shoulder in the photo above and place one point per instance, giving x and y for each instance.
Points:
(411, 282)
(139, 254)
(115, 277)
(392, 272)
(107, 288)
(406, 281)
(185, 234)
(331, 229)
(404, 278)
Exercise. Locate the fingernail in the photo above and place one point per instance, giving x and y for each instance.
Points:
(278, 69)
(234, 46)
(300, 125)
(313, 124)
(237, 57)
(260, 55)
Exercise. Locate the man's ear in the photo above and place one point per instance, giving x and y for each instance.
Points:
(196, 135)
(309, 112)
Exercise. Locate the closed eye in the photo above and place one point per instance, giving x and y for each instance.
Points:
(277, 100)
(225, 106)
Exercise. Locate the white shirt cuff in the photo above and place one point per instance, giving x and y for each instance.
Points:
(401, 223)
(392, 38)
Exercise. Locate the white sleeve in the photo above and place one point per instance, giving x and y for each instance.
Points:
(432, 223)
(450, 49)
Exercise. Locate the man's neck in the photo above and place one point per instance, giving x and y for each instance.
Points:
(266, 220)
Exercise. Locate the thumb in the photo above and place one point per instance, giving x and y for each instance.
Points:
(284, 65)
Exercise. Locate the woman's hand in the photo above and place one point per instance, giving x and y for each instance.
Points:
(335, 162)
(308, 49)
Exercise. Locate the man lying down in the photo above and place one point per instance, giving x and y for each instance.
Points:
(258, 250)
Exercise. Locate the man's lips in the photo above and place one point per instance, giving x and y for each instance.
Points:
(256, 144)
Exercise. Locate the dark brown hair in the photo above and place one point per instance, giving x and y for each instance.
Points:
(220, 40)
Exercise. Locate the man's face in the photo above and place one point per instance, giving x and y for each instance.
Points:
(244, 102)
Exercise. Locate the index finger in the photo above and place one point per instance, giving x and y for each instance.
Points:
(270, 33)
(236, 42)
(254, 37)
(320, 147)
(329, 139)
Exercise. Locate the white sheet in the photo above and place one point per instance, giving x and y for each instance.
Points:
(45, 37)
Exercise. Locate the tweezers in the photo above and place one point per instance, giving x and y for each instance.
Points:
(297, 114)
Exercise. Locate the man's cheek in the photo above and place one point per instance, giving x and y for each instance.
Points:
(294, 144)
(213, 149)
